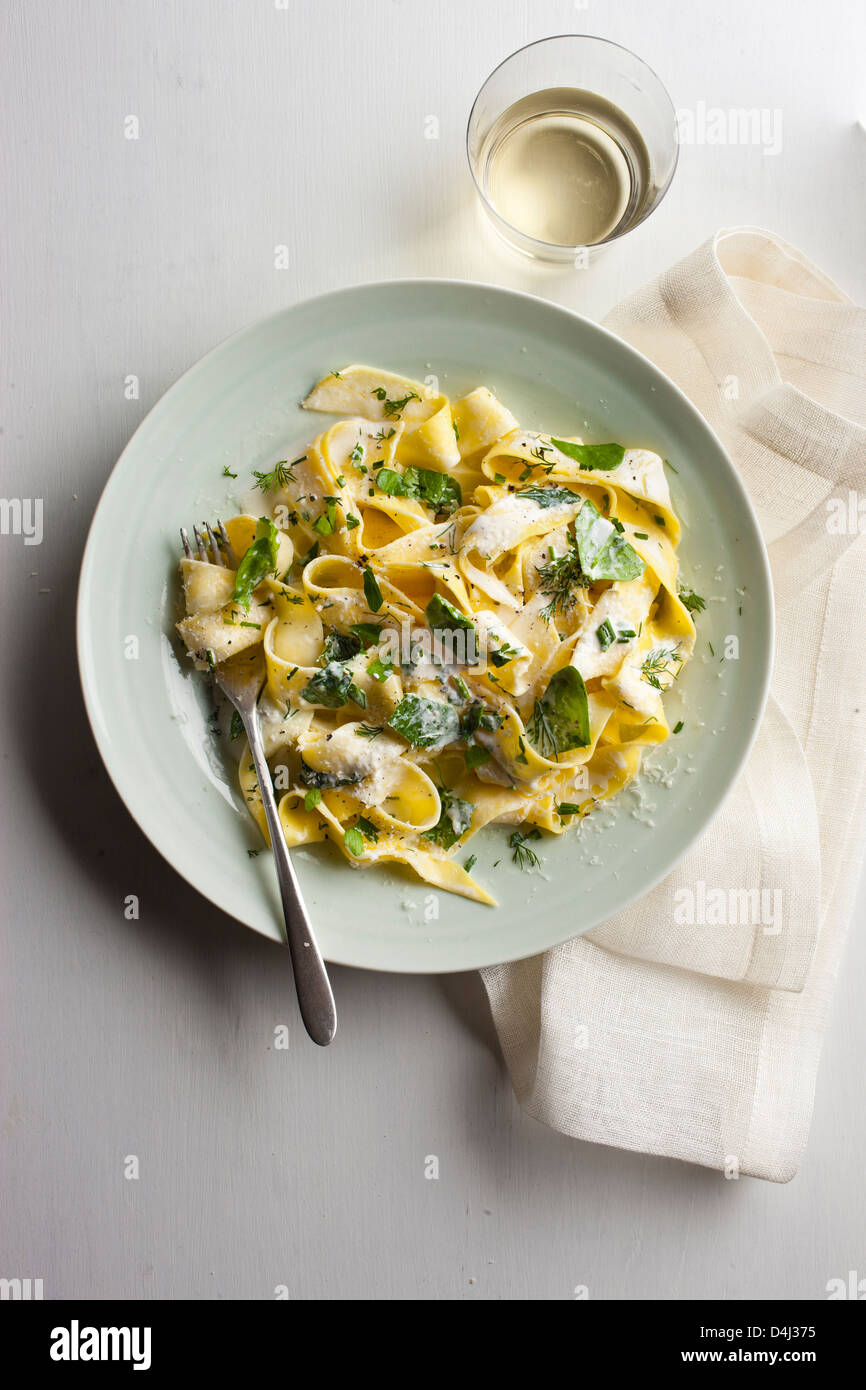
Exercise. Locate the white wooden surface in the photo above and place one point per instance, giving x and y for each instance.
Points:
(303, 124)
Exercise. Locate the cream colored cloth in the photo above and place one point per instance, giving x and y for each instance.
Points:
(702, 1043)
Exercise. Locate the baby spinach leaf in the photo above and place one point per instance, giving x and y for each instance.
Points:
(444, 615)
(603, 552)
(340, 646)
(560, 719)
(601, 458)
(550, 496)
(259, 560)
(425, 723)
(455, 818)
(332, 688)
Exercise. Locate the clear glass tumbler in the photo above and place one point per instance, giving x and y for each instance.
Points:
(572, 143)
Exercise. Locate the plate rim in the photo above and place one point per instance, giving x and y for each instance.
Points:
(433, 282)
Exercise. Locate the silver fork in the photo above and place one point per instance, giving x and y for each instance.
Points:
(241, 679)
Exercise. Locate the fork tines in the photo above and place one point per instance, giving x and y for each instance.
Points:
(221, 552)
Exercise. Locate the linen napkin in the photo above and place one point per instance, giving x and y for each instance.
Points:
(702, 1042)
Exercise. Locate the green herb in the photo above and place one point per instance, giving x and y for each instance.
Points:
(393, 409)
(332, 688)
(253, 853)
(311, 777)
(382, 435)
(470, 863)
(352, 522)
(603, 552)
(279, 476)
(600, 458)
(606, 634)
(521, 854)
(560, 719)
(641, 536)
(475, 756)
(444, 616)
(562, 578)
(461, 687)
(227, 472)
(478, 716)
(369, 730)
(425, 723)
(259, 560)
(357, 454)
(568, 808)
(454, 819)
(388, 480)
(380, 670)
(502, 655)
(438, 491)
(659, 520)
(679, 726)
(326, 523)
(367, 829)
(310, 555)
(354, 841)
(312, 799)
(455, 429)
(690, 600)
(657, 663)
(236, 727)
(366, 633)
(550, 496)
(372, 592)
(340, 646)
(257, 626)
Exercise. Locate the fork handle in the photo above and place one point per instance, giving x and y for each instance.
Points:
(315, 999)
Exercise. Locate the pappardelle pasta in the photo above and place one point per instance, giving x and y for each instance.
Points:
(460, 622)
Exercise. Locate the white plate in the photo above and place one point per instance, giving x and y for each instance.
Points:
(239, 407)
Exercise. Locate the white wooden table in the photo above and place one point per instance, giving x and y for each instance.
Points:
(303, 124)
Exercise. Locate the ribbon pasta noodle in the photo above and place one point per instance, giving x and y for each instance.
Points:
(462, 622)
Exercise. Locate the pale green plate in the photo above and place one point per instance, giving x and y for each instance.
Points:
(238, 407)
